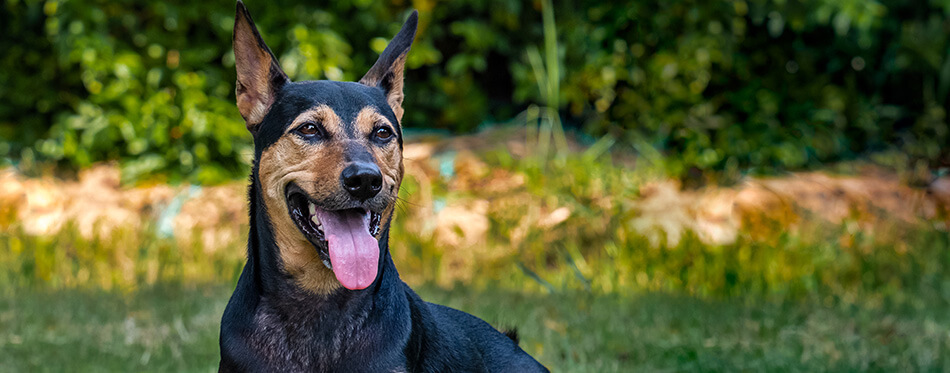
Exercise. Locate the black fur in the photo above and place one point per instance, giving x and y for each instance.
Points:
(272, 325)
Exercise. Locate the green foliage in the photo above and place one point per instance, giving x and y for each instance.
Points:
(771, 84)
(762, 84)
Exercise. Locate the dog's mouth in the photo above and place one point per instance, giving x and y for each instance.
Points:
(344, 239)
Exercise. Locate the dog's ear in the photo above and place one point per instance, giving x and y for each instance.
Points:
(259, 76)
(387, 73)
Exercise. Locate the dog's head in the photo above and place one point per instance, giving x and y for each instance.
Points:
(328, 158)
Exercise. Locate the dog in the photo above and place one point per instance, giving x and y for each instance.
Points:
(320, 291)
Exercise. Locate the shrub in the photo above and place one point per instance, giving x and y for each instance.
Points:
(757, 84)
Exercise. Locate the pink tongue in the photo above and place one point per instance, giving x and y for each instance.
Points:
(354, 253)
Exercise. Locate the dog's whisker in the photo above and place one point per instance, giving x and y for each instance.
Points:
(407, 202)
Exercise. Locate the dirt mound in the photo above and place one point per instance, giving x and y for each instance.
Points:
(96, 205)
(717, 214)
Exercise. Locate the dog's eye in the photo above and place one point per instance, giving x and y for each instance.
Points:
(383, 133)
(308, 129)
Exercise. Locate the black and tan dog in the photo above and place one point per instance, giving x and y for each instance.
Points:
(320, 291)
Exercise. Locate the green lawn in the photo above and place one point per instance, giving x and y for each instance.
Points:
(175, 328)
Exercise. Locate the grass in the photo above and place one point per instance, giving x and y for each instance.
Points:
(175, 328)
(588, 292)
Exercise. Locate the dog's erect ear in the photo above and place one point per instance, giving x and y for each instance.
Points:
(388, 71)
(259, 76)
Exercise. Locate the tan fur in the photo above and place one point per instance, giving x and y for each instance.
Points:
(367, 118)
(253, 64)
(395, 95)
(316, 169)
(389, 157)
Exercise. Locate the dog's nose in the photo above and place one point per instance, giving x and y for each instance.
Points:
(362, 180)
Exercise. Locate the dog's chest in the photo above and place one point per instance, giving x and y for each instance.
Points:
(284, 347)
(307, 342)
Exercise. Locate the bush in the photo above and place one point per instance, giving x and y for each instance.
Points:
(759, 84)
(762, 83)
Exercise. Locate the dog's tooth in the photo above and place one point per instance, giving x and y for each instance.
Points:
(313, 208)
(315, 219)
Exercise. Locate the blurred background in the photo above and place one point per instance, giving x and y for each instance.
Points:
(653, 185)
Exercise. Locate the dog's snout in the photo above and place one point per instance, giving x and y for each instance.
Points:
(362, 180)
